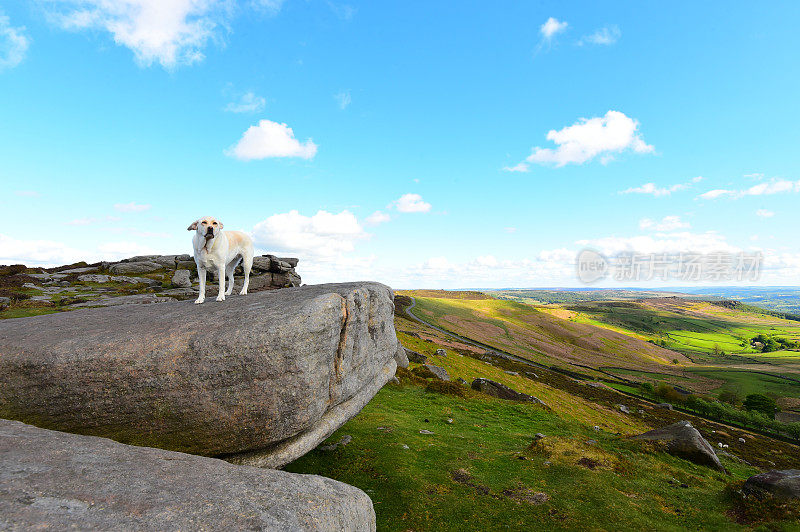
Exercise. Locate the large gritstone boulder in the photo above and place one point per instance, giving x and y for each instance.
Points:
(275, 372)
(684, 441)
(58, 481)
(497, 389)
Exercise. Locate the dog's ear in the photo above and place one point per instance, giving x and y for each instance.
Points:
(220, 224)
(193, 227)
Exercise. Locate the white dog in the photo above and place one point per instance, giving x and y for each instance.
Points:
(220, 251)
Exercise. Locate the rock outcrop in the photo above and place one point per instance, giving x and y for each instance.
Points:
(270, 374)
(58, 481)
(684, 441)
(497, 389)
(781, 484)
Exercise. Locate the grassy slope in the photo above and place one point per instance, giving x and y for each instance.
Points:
(468, 475)
(540, 336)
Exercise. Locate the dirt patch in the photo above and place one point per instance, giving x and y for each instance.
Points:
(526, 495)
(588, 463)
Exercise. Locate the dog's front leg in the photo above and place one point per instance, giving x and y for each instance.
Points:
(221, 274)
(201, 274)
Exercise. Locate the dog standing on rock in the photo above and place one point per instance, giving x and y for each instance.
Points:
(220, 251)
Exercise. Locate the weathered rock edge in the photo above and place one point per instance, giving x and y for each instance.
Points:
(64, 481)
(252, 373)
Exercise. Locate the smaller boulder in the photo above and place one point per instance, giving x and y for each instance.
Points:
(441, 353)
(4, 302)
(181, 279)
(782, 484)
(624, 409)
(429, 371)
(684, 441)
(501, 391)
(413, 356)
(665, 406)
(167, 261)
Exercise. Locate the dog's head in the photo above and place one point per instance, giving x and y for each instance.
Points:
(207, 227)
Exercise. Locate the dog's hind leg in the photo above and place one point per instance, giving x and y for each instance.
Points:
(247, 265)
(229, 269)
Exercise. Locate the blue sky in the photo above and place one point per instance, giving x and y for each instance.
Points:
(298, 121)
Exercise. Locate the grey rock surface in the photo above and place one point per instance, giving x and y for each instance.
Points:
(136, 299)
(497, 389)
(4, 302)
(782, 484)
(181, 279)
(94, 278)
(271, 373)
(58, 481)
(438, 371)
(135, 267)
(684, 441)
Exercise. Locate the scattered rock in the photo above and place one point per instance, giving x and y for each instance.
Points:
(429, 371)
(531, 374)
(461, 381)
(4, 302)
(538, 436)
(53, 480)
(591, 442)
(94, 278)
(449, 421)
(511, 372)
(270, 375)
(333, 446)
(441, 353)
(425, 431)
(742, 440)
(782, 484)
(684, 441)
(404, 446)
(135, 267)
(400, 356)
(394, 380)
(413, 356)
(501, 391)
(624, 409)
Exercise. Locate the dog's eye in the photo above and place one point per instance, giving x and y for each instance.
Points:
(215, 223)
(204, 223)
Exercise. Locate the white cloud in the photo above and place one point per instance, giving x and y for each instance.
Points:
(653, 189)
(323, 235)
(343, 98)
(170, 32)
(13, 43)
(773, 186)
(27, 193)
(716, 193)
(521, 167)
(249, 102)
(668, 223)
(602, 36)
(551, 28)
(378, 217)
(764, 213)
(131, 207)
(270, 139)
(678, 242)
(269, 6)
(589, 138)
(411, 203)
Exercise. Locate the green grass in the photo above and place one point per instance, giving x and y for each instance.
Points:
(414, 488)
(745, 382)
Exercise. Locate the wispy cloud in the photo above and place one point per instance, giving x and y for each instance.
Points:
(27, 193)
(343, 98)
(378, 217)
(659, 191)
(604, 36)
(131, 207)
(13, 43)
(249, 102)
(764, 213)
(666, 224)
(773, 186)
